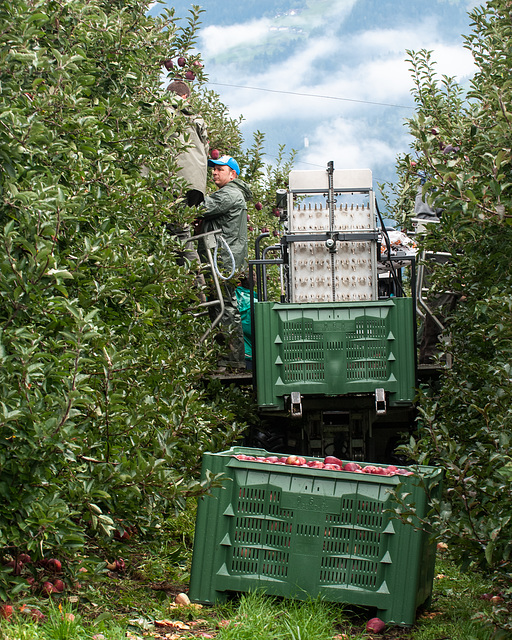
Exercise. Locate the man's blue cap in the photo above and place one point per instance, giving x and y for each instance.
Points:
(231, 163)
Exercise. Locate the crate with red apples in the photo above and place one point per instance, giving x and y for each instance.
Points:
(303, 527)
(329, 463)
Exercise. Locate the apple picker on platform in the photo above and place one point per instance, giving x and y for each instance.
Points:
(226, 209)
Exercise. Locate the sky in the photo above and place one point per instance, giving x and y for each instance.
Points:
(328, 78)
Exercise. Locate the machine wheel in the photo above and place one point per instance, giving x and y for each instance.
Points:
(267, 437)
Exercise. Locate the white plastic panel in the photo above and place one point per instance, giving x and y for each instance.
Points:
(356, 179)
(311, 271)
(312, 219)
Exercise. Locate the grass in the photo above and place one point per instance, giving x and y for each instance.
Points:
(113, 605)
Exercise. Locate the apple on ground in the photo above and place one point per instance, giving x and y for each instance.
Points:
(120, 565)
(182, 600)
(37, 616)
(258, 206)
(375, 625)
(48, 588)
(6, 611)
(59, 585)
(15, 566)
(54, 565)
(122, 535)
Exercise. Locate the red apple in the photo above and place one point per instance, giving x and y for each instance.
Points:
(190, 75)
(48, 588)
(59, 585)
(196, 63)
(5, 611)
(15, 566)
(122, 535)
(375, 625)
(370, 468)
(352, 466)
(54, 565)
(404, 472)
(24, 557)
(168, 64)
(272, 459)
(332, 467)
(258, 206)
(181, 62)
(214, 154)
(37, 616)
(333, 460)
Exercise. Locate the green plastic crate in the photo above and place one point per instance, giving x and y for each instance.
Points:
(334, 349)
(298, 532)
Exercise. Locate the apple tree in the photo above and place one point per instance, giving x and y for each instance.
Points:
(102, 414)
(462, 151)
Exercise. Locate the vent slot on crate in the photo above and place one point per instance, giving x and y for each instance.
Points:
(253, 536)
(367, 357)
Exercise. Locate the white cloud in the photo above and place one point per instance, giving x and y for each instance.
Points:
(368, 66)
(372, 67)
(351, 144)
(216, 39)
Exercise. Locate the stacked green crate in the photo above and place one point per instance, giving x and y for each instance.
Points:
(334, 349)
(300, 532)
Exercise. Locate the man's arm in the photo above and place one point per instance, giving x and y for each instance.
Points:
(218, 203)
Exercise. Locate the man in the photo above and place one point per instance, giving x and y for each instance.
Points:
(193, 161)
(226, 209)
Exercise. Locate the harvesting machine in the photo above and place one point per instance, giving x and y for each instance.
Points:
(333, 324)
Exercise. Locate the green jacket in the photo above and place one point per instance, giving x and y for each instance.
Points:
(226, 209)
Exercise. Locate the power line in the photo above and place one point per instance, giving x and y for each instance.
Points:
(312, 95)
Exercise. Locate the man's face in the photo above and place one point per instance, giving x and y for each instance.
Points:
(222, 174)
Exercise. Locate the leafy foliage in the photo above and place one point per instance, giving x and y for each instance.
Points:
(462, 150)
(102, 417)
